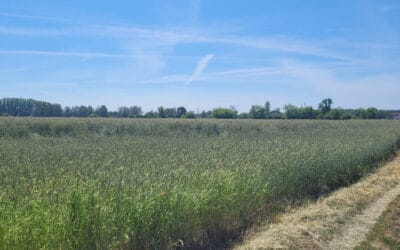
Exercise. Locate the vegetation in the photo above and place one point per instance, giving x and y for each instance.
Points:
(152, 183)
(224, 113)
(386, 233)
(339, 220)
(30, 107)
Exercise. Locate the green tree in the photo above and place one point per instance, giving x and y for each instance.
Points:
(151, 114)
(244, 115)
(334, 114)
(181, 111)
(257, 112)
(372, 113)
(189, 115)
(291, 112)
(135, 112)
(123, 112)
(161, 112)
(102, 111)
(267, 107)
(325, 105)
(171, 112)
(224, 113)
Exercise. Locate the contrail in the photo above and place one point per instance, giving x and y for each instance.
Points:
(201, 65)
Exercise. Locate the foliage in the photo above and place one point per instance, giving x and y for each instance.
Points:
(293, 112)
(135, 112)
(325, 105)
(267, 107)
(102, 111)
(244, 116)
(181, 111)
(171, 113)
(224, 113)
(153, 184)
(258, 112)
(29, 107)
(189, 114)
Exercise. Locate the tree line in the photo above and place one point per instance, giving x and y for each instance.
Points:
(31, 107)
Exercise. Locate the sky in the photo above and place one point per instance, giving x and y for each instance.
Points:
(201, 54)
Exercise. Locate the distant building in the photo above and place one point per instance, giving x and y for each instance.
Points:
(396, 115)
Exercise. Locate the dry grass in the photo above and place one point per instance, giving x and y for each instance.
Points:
(386, 233)
(316, 225)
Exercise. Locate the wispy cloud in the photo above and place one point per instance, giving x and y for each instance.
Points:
(178, 35)
(84, 54)
(34, 17)
(201, 65)
(5, 30)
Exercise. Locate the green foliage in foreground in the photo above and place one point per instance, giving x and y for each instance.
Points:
(144, 184)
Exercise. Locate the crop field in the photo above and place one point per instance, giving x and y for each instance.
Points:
(159, 183)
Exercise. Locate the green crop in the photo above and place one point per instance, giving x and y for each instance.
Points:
(160, 184)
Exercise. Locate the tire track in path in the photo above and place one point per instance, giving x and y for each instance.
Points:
(357, 229)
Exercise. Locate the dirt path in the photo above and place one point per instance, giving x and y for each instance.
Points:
(339, 221)
(357, 229)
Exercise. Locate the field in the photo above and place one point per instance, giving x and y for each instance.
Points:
(145, 184)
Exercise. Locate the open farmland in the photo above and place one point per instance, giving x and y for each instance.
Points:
(130, 183)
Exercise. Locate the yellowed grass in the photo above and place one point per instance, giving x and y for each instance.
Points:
(386, 233)
(323, 224)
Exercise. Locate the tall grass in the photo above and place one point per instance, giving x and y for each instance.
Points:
(146, 184)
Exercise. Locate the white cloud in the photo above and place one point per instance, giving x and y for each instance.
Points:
(178, 35)
(201, 65)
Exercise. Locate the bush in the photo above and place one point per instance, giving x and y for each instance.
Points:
(224, 113)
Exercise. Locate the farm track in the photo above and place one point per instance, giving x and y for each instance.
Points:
(356, 229)
(340, 221)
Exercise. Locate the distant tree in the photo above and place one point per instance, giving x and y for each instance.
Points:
(151, 114)
(101, 111)
(276, 114)
(206, 114)
(372, 113)
(123, 112)
(161, 112)
(135, 111)
(346, 115)
(67, 112)
(189, 115)
(53, 110)
(334, 114)
(203, 114)
(224, 113)
(307, 112)
(171, 112)
(181, 111)
(361, 113)
(244, 115)
(29, 107)
(257, 112)
(325, 105)
(267, 107)
(81, 111)
(291, 112)
(113, 114)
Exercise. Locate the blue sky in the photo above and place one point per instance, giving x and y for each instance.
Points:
(201, 54)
